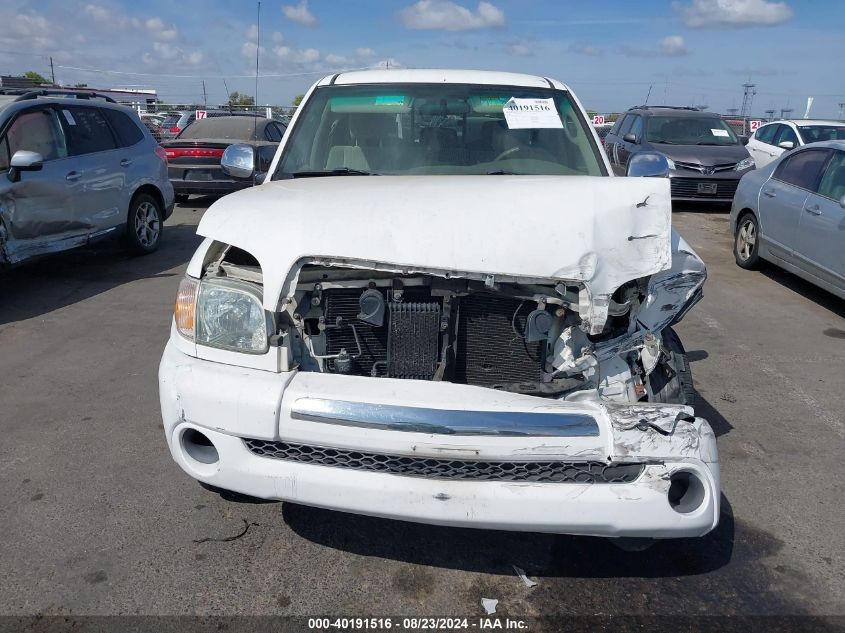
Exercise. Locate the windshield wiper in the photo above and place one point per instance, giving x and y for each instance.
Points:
(504, 172)
(709, 143)
(666, 142)
(340, 171)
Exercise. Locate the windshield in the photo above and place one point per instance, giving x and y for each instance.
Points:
(815, 133)
(442, 129)
(233, 128)
(690, 130)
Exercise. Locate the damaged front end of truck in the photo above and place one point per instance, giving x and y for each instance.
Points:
(531, 350)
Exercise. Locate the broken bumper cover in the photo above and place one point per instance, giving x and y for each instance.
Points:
(213, 415)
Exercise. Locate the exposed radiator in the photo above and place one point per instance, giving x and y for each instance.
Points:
(490, 349)
(413, 340)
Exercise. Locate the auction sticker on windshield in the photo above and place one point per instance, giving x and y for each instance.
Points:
(719, 132)
(531, 113)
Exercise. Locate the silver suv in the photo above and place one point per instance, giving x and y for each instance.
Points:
(73, 171)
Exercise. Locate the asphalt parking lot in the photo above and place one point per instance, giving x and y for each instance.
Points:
(99, 520)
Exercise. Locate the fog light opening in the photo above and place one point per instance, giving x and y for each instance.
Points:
(199, 447)
(686, 492)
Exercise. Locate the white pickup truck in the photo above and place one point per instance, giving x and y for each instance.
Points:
(441, 306)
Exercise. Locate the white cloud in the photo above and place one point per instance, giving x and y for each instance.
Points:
(277, 38)
(172, 54)
(585, 48)
(337, 60)
(299, 13)
(307, 56)
(448, 16)
(383, 64)
(733, 13)
(364, 53)
(673, 46)
(252, 33)
(669, 46)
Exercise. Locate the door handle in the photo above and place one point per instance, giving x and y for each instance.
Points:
(813, 209)
(769, 193)
(74, 175)
(125, 162)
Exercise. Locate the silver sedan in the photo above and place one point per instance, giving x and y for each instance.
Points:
(792, 213)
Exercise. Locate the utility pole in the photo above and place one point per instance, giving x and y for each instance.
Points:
(841, 105)
(257, 50)
(204, 95)
(52, 72)
(770, 114)
(747, 98)
(784, 112)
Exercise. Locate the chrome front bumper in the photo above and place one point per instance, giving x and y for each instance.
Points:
(228, 404)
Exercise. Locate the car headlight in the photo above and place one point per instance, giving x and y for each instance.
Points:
(223, 313)
(745, 163)
(671, 163)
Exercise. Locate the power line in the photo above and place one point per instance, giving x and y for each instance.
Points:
(250, 76)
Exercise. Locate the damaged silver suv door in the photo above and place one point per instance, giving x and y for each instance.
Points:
(36, 204)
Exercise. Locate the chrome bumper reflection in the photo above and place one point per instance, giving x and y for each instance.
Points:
(444, 421)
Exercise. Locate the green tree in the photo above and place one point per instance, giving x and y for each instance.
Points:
(297, 100)
(80, 85)
(34, 76)
(237, 99)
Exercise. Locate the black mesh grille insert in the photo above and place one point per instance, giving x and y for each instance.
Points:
(490, 349)
(688, 188)
(541, 472)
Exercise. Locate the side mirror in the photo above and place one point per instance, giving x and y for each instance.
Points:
(629, 138)
(786, 145)
(238, 161)
(648, 165)
(743, 139)
(24, 160)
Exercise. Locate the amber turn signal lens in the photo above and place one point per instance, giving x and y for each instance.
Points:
(186, 301)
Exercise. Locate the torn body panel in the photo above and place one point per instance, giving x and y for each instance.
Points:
(515, 227)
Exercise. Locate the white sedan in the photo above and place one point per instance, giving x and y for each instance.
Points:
(773, 139)
(792, 213)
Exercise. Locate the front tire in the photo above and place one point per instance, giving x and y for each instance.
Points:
(747, 242)
(144, 225)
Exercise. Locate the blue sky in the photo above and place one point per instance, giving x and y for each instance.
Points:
(688, 51)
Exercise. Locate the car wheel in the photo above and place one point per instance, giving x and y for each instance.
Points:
(144, 225)
(182, 198)
(747, 242)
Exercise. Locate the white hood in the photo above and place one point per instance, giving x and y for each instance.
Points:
(601, 231)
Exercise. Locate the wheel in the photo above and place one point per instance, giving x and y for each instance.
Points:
(747, 242)
(144, 224)
(181, 198)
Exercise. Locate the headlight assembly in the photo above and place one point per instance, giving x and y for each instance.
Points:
(223, 313)
(745, 163)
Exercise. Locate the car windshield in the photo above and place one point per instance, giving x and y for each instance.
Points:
(815, 133)
(439, 129)
(235, 128)
(689, 130)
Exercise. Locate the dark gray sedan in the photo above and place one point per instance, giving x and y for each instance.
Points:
(792, 213)
(194, 156)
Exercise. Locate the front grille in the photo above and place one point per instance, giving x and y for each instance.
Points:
(491, 349)
(592, 472)
(700, 168)
(688, 188)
